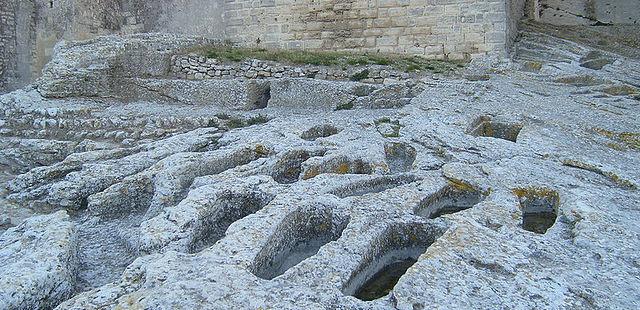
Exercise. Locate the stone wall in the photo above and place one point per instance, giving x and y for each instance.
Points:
(444, 29)
(189, 17)
(589, 12)
(516, 10)
(31, 28)
(17, 34)
(194, 67)
(7, 43)
(435, 28)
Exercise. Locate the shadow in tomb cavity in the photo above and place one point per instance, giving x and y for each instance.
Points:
(103, 254)
(452, 198)
(384, 280)
(299, 236)
(230, 206)
(262, 95)
(391, 254)
(319, 131)
(539, 208)
(484, 126)
(399, 156)
(374, 185)
(288, 168)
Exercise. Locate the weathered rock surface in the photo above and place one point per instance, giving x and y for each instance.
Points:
(517, 190)
(38, 262)
(100, 67)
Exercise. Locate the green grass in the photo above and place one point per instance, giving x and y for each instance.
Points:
(223, 116)
(406, 63)
(212, 123)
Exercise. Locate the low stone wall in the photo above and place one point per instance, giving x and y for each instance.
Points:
(195, 67)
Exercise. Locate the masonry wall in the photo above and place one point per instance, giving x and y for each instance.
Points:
(7, 43)
(589, 12)
(516, 10)
(434, 28)
(189, 17)
(452, 29)
(17, 33)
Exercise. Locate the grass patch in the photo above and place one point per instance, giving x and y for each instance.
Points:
(212, 122)
(233, 122)
(580, 80)
(406, 63)
(624, 183)
(223, 116)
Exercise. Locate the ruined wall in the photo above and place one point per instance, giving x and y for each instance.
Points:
(190, 17)
(452, 29)
(7, 43)
(589, 12)
(30, 29)
(435, 28)
(516, 10)
(17, 34)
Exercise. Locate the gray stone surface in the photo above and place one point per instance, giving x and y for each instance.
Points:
(299, 203)
(38, 262)
(100, 67)
(588, 12)
(338, 95)
(228, 94)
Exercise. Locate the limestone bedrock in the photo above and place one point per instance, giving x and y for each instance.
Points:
(126, 187)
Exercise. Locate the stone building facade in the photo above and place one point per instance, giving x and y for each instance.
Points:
(434, 28)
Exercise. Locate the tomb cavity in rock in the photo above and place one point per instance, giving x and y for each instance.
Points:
(319, 131)
(299, 236)
(230, 207)
(263, 99)
(539, 208)
(389, 257)
(373, 185)
(485, 126)
(288, 168)
(338, 165)
(453, 197)
(399, 156)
